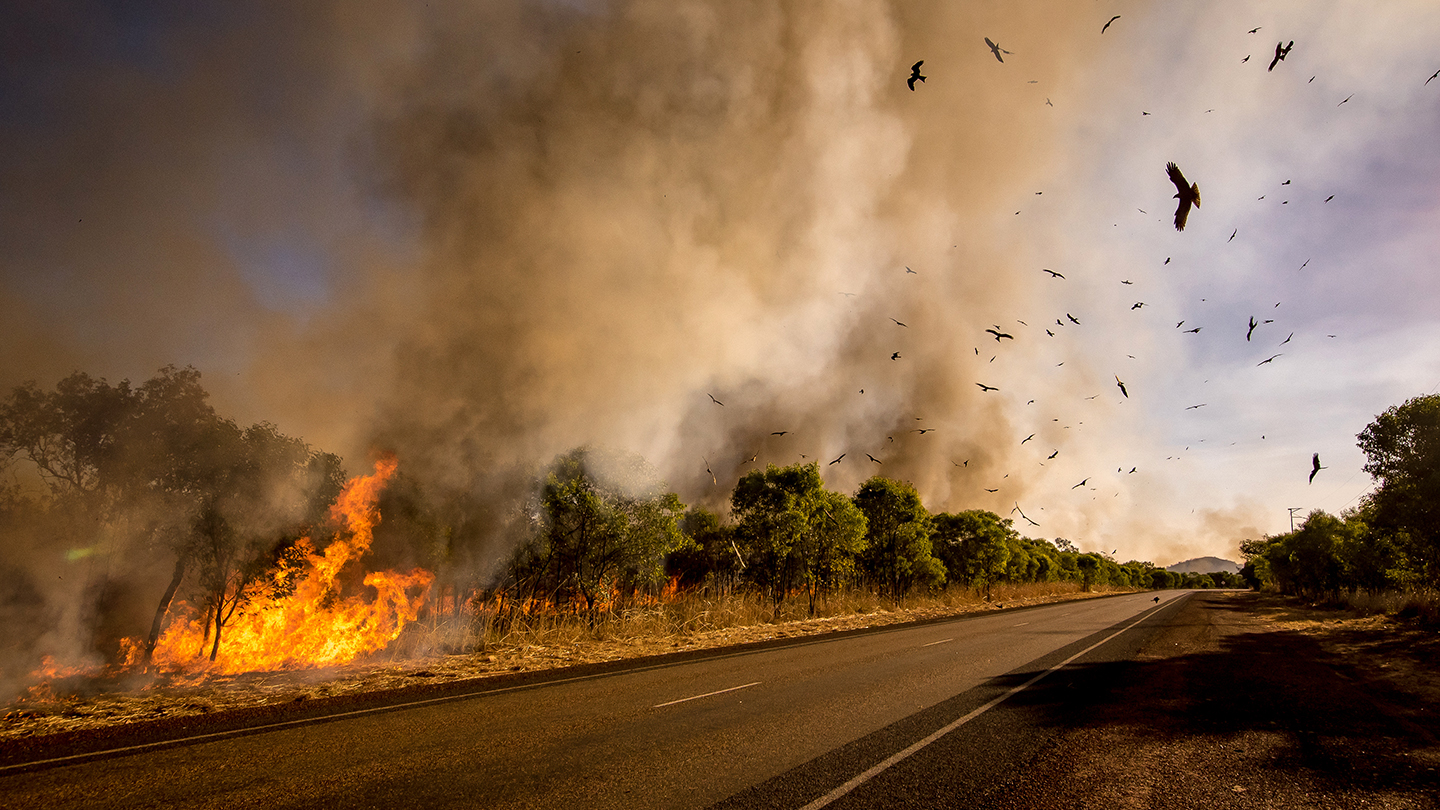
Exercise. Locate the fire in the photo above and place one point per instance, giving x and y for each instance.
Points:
(315, 625)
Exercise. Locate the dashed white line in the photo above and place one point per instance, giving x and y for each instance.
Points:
(933, 643)
(707, 694)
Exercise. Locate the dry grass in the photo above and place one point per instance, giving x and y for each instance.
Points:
(1422, 604)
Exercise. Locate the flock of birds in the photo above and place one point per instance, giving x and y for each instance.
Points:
(1187, 196)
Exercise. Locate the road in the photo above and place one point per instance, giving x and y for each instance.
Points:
(951, 710)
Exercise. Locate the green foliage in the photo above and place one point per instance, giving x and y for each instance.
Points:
(1402, 448)
(898, 554)
(975, 546)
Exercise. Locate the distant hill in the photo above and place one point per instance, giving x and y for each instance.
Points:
(1203, 565)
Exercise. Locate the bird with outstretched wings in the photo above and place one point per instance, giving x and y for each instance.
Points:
(915, 74)
(995, 49)
(1186, 192)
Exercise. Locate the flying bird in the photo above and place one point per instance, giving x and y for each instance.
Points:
(995, 49)
(1081, 484)
(1052, 455)
(999, 335)
(1187, 193)
(752, 458)
(1281, 51)
(911, 272)
(923, 431)
(1137, 305)
(1246, 59)
(1126, 281)
(1432, 75)
(1347, 98)
(1180, 324)
(837, 461)
(1331, 197)
(1022, 514)
(850, 295)
(1253, 30)
(1107, 25)
(1027, 438)
(1315, 468)
(1052, 273)
(1072, 319)
(1047, 101)
(872, 458)
(984, 387)
(1195, 331)
(1048, 332)
(714, 400)
(897, 323)
(1287, 340)
(779, 433)
(1263, 362)
(895, 356)
(1121, 385)
(1251, 330)
(915, 74)
(1193, 407)
(991, 490)
(713, 480)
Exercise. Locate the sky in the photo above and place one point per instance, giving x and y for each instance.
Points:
(480, 234)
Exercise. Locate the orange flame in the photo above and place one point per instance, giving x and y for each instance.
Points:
(312, 626)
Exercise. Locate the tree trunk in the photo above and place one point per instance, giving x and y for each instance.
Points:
(163, 608)
(219, 623)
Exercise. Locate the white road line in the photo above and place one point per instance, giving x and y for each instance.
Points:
(707, 694)
(876, 770)
(933, 643)
(1021, 624)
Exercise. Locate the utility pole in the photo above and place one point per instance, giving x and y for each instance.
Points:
(1293, 510)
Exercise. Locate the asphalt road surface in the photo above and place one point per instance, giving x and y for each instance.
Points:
(979, 711)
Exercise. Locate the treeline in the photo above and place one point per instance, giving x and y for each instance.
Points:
(601, 527)
(1390, 541)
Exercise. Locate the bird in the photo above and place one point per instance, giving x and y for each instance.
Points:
(1331, 197)
(1187, 193)
(1081, 484)
(1347, 98)
(1047, 102)
(1137, 305)
(1107, 25)
(1072, 319)
(714, 400)
(915, 74)
(923, 431)
(713, 480)
(1157, 599)
(752, 458)
(897, 323)
(1246, 59)
(1167, 261)
(1052, 273)
(1266, 360)
(1052, 455)
(895, 356)
(1132, 469)
(1048, 332)
(848, 295)
(779, 433)
(1196, 330)
(987, 489)
(872, 458)
(1253, 30)
(1302, 267)
(1251, 330)
(1315, 468)
(1232, 236)
(1193, 407)
(984, 387)
(1126, 281)
(1022, 514)
(1180, 324)
(1122, 387)
(999, 335)
(837, 461)
(911, 272)
(1286, 183)
(1432, 75)
(1281, 51)
(1287, 340)
(1027, 438)
(995, 49)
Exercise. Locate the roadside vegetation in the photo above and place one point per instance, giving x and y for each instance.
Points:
(1383, 556)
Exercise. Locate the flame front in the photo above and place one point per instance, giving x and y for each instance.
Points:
(315, 625)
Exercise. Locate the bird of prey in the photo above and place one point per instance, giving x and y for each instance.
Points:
(1253, 30)
(1143, 113)
(1287, 340)
(1302, 267)
(999, 335)
(1187, 193)
(995, 49)
(966, 464)
(1047, 101)
(895, 356)
(1121, 386)
(1126, 281)
(1196, 330)
(1263, 362)
(915, 74)
(1052, 273)
(1180, 324)
(1281, 51)
(987, 489)
(779, 433)
(1167, 260)
(911, 272)
(1331, 197)
(1132, 469)
(1315, 468)
(1251, 330)
(1246, 59)
(923, 431)
(1193, 407)
(897, 323)
(1027, 438)
(1107, 25)
(1347, 98)
(1432, 75)
(1081, 484)
(1232, 236)
(984, 387)
(1137, 305)
(872, 458)
(752, 458)
(1286, 183)
(837, 461)
(1052, 455)
(714, 400)
(1022, 514)
(713, 480)
(1048, 332)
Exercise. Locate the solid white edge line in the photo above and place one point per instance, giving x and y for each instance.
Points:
(933, 643)
(707, 694)
(897, 757)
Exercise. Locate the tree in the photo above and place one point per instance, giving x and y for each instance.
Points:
(773, 510)
(1402, 448)
(899, 553)
(975, 546)
(835, 533)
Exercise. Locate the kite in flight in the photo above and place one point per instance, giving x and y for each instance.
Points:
(1187, 193)
(1281, 51)
(995, 49)
(915, 74)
